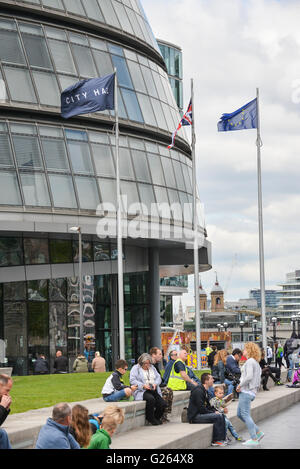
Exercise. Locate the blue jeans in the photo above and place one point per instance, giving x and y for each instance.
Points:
(115, 396)
(230, 386)
(4, 441)
(291, 367)
(244, 413)
(230, 427)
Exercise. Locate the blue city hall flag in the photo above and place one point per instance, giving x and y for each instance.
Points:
(243, 118)
(85, 96)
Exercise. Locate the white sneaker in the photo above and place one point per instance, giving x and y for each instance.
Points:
(251, 443)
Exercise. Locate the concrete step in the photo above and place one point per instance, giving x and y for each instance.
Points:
(23, 428)
(177, 435)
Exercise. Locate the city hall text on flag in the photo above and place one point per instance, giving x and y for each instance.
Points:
(85, 96)
(243, 118)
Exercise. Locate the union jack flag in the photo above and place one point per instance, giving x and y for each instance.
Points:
(186, 120)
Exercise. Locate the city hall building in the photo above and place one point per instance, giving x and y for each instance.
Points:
(54, 173)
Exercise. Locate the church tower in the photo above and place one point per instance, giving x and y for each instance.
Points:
(217, 297)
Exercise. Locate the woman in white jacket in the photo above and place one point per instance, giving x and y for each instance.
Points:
(247, 389)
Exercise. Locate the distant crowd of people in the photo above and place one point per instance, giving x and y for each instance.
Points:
(234, 376)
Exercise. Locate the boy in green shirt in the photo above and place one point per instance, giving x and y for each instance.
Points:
(102, 438)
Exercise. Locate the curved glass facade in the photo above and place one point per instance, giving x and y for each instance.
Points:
(54, 173)
(38, 62)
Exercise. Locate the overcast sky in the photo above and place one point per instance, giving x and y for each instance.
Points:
(230, 48)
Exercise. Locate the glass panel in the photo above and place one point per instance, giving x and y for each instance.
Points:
(147, 110)
(129, 189)
(10, 194)
(161, 195)
(62, 56)
(37, 290)
(37, 51)
(87, 193)
(179, 175)
(62, 191)
(36, 251)
(58, 328)
(38, 330)
(159, 87)
(126, 169)
(109, 13)
(148, 78)
(84, 59)
(187, 178)
(108, 191)
(6, 158)
(169, 172)
(58, 289)
(156, 169)
(35, 190)
(11, 49)
(27, 152)
(92, 9)
(47, 88)
(61, 251)
(101, 252)
(87, 255)
(15, 333)
(55, 154)
(136, 76)
(11, 252)
(123, 18)
(14, 291)
(159, 114)
(103, 160)
(66, 81)
(141, 166)
(103, 62)
(175, 204)
(122, 71)
(132, 105)
(80, 157)
(74, 6)
(20, 86)
(116, 50)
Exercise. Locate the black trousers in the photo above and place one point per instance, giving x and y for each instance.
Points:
(269, 373)
(155, 405)
(218, 421)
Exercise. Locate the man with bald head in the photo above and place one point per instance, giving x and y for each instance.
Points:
(55, 434)
(5, 402)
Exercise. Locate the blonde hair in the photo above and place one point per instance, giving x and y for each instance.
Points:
(221, 355)
(109, 423)
(115, 412)
(253, 351)
(219, 387)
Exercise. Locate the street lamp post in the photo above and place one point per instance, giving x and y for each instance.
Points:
(219, 327)
(242, 324)
(77, 229)
(225, 326)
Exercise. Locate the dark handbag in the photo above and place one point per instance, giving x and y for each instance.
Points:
(184, 417)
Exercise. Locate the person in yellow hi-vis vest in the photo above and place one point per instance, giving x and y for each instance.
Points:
(179, 379)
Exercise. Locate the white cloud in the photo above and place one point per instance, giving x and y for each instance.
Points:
(229, 49)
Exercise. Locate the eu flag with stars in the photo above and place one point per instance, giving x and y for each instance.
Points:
(243, 118)
(85, 96)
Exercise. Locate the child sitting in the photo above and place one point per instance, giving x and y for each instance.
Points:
(114, 389)
(220, 405)
(111, 410)
(102, 438)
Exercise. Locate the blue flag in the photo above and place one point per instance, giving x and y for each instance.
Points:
(85, 96)
(243, 118)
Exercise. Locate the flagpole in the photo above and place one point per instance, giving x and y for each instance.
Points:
(119, 231)
(195, 223)
(260, 227)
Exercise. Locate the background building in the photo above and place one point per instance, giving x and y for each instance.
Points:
(289, 299)
(54, 173)
(173, 59)
(271, 297)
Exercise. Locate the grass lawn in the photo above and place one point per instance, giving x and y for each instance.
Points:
(35, 392)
